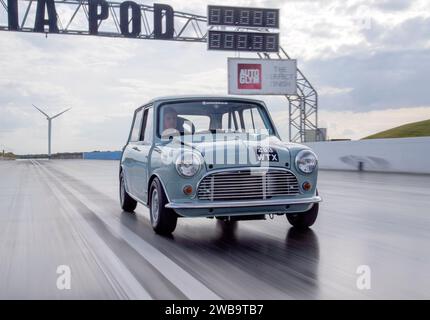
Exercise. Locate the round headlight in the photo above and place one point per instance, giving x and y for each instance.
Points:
(306, 161)
(188, 163)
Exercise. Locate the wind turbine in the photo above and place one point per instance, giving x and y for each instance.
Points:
(49, 126)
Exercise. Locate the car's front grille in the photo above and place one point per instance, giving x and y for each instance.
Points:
(247, 185)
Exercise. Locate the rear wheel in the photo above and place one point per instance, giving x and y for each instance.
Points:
(304, 220)
(128, 204)
(163, 219)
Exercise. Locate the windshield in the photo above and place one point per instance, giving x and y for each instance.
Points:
(203, 117)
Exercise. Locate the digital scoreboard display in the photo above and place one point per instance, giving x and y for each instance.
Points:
(243, 17)
(243, 41)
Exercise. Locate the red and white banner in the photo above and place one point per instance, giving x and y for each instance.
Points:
(262, 77)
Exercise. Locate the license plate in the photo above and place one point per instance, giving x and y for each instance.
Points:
(266, 154)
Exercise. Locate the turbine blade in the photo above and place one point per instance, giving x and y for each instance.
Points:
(41, 111)
(59, 114)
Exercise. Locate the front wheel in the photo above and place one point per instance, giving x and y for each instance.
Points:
(304, 220)
(163, 219)
(128, 204)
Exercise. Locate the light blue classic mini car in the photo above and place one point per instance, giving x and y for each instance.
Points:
(215, 157)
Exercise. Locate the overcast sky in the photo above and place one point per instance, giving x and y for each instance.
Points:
(368, 59)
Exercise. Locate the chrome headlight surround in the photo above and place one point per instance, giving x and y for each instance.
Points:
(306, 161)
(188, 163)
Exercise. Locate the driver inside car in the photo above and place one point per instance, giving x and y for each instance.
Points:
(170, 122)
(173, 125)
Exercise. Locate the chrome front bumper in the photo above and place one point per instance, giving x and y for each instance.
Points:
(241, 204)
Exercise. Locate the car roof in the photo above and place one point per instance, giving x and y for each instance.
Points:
(202, 97)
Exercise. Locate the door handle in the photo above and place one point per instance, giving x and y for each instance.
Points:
(136, 148)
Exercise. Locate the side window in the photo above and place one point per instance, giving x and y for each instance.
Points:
(253, 121)
(229, 121)
(137, 125)
(148, 131)
(225, 121)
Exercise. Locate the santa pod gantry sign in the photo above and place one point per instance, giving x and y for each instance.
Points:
(98, 10)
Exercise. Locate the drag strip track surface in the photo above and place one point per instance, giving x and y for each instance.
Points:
(66, 212)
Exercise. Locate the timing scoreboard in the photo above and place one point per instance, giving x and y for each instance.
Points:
(247, 25)
(243, 17)
(243, 41)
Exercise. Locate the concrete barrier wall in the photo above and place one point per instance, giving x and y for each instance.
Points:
(408, 155)
(102, 155)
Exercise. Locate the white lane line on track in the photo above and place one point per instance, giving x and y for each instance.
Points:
(118, 275)
(185, 282)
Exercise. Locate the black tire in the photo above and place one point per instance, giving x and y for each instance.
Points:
(163, 220)
(128, 204)
(304, 220)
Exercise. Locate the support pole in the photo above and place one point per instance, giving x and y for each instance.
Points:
(49, 138)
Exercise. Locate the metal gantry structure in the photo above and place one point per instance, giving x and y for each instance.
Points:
(303, 107)
(75, 15)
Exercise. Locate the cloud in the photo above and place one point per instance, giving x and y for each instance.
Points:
(410, 34)
(333, 91)
(358, 68)
(357, 125)
(393, 5)
(389, 79)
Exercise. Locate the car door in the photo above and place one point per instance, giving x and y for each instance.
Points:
(142, 152)
(129, 157)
